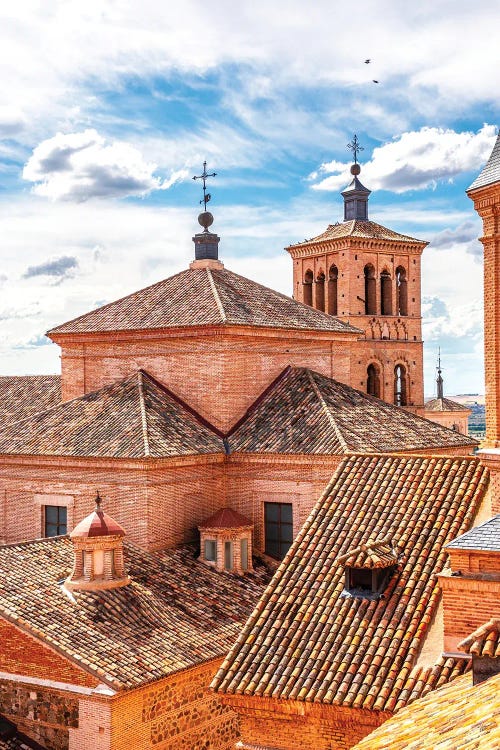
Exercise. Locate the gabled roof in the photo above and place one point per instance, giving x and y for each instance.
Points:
(483, 537)
(444, 404)
(373, 554)
(490, 173)
(484, 641)
(459, 716)
(97, 524)
(363, 229)
(305, 412)
(133, 418)
(24, 395)
(305, 641)
(202, 297)
(175, 613)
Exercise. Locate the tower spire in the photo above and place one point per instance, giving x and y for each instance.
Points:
(206, 244)
(439, 379)
(355, 195)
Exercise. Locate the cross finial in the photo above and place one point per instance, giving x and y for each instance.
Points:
(355, 148)
(98, 501)
(204, 176)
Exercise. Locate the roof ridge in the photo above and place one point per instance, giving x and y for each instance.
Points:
(329, 416)
(144, 418)
(217, 298)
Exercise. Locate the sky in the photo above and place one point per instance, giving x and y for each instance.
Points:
(108, 108)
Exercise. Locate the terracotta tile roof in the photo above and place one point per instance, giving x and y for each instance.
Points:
(444, 404)
(373, 554)
(305, 640)
(134, 418)
(227, 518)
(459, 716)
(359, 228)
(176, 613)
(305, 412)
(95, 524)
(485, 641)
(201, 297)
(483, 537)
(490, 173)
(25, 395)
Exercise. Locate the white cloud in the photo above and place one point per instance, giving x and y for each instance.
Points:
(79, 166)
(415, 160)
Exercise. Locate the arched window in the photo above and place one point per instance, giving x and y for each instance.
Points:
(308, 293)
(400, 390)
(370, 291)
(333, 276)
(385, 293)
(373, 380)
(320, 291)
(401, 291)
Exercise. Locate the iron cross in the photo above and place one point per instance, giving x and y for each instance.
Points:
(355, 148)
(203, 176)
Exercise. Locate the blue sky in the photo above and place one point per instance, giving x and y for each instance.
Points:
(107, 108)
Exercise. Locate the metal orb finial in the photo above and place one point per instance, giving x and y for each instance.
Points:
(355, 169)
(205, 220)
(98, 501)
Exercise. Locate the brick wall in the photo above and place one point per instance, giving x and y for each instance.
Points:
(288, 725)
(449, 419)
(177, 713)
(467, 604)
(218, 372)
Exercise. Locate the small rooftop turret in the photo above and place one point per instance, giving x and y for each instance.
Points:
(355, 194)
(98, 550)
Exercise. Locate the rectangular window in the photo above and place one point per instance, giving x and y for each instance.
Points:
(55, 520)
(228, 555)
(244, 554)
(279, 529)
(210, 550)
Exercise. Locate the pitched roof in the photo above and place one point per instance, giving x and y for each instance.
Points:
(490, 173)
(361, 228)
(373, 554)
(305, 412)
(484, 641)
(25, 395)
(444, 404)
(458, 715)
(305, 640)
(176, 612)
(96, 524)
(133, 418)
(226, 518)
(201, 297)
(483, 537)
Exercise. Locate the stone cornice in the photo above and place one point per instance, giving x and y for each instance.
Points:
(321, 247)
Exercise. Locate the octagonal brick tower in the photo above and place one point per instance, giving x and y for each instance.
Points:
(369, 276)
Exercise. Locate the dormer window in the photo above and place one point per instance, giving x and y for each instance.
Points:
(368, 569)
(226, 541)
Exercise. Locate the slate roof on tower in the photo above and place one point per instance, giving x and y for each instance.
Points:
(490, 173)
(133, 418)
(305, 412)
(175, 613)
(203, 297)
(360, 229)
(307, 640)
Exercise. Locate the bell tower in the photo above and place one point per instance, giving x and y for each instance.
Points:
(369, 276)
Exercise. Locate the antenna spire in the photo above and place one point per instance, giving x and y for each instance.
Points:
(439, 379)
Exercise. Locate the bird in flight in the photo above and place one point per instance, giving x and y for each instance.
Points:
(374, 81)
(367, 61)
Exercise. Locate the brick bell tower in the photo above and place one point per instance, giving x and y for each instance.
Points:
(369, 276)
(485, 192)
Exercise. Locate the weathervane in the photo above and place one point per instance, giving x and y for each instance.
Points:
(204, 176)
(355, 148)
